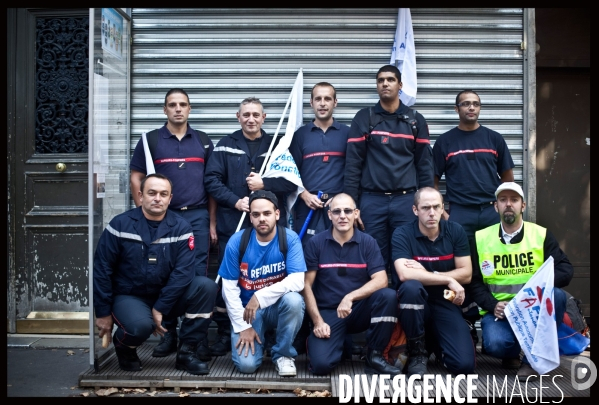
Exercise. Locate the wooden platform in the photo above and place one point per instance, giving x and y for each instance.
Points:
(161, 373)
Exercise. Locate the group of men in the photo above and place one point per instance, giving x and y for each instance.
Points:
(380, 214)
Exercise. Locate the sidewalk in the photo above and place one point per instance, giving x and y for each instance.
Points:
(49, 366)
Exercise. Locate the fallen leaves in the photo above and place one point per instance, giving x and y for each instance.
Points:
(134, 390)
(303, 393)
(70, 353)
(104, 392)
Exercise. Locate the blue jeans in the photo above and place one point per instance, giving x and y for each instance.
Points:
(286, 316)
(499, 339)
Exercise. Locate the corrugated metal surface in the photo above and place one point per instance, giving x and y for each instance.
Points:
(221, 56)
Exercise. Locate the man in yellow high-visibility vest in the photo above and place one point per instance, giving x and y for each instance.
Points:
(504, 258)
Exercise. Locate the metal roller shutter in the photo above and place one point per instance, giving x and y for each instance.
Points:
(220, 56)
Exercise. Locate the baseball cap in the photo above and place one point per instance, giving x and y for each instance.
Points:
(267, 195)
(510, 185)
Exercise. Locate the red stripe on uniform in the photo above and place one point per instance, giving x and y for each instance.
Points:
(433, 258)
(360, 139)
(175, 160)
(459, 152)
(389, 134)
(323, 154)
(350, 265)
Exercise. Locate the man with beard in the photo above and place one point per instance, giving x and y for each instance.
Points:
(261, 288)
(524, 246)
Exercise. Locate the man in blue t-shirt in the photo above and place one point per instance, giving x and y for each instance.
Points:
(261, 289)
(346, 292)
(431, 255)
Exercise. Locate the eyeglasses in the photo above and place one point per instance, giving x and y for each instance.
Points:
(346, 211)
(467, 104)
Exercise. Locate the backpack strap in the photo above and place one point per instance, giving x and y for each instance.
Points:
(245, 240)
(410, 118)
(282, 241)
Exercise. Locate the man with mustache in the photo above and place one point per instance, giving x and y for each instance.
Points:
(144, 272)
(504, 257)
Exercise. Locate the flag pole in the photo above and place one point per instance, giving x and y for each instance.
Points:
(308, 218)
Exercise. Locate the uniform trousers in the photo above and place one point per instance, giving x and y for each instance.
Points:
(133, 314)
(446, 332)
(375, 314)
(199, 219)
(381, 214)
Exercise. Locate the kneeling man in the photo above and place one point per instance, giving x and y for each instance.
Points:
(346, 292)
(261, 288)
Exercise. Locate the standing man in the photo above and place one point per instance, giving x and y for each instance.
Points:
(261, 288)
(231, 175)
(144, 272)
(318, 149)
(432, 255)
(180, 153)
(389, 157)
(493, 285)
(346, 292)
(475, 161)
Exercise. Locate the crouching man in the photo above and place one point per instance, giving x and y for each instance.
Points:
(261, 288)
(430, 256)
(346, 292)
(144, 272)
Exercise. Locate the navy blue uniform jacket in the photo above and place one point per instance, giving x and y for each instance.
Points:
(121, 265)
(225, 179)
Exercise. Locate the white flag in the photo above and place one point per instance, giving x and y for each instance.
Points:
(149, 163)
(403, 55)
(531, 314)
(281, 163)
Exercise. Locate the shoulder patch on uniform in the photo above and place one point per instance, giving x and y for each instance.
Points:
(191, 243)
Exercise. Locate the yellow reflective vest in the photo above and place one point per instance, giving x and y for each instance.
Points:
(506, 268)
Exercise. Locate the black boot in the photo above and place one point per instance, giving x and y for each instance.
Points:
(167, 344)
(202, 351)
(188, 361)
(127, 356)
(376, 364)
(222, 346)
(417, 356)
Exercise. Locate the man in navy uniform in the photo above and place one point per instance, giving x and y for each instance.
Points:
(181, 154)
(144, 272)
(432, 255)
(388, 158)
(318, 149)
(346, 292)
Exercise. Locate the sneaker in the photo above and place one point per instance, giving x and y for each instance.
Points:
(285, 366)
(510, 364)
(526, 371)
